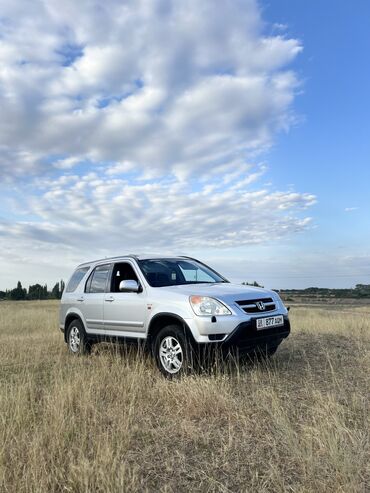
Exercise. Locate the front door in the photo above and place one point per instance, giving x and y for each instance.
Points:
(125, 313)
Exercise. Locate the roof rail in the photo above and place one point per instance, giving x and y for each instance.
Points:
(130, 255)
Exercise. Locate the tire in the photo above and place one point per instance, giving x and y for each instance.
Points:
(173, 352)
(263, 354)
(77, 340)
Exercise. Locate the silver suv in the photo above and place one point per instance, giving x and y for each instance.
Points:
(178, 305)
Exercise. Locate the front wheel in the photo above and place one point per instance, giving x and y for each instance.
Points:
(76, 339)
(265, 353)
(173, 351)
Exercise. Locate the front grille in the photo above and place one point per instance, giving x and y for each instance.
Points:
(250, 306)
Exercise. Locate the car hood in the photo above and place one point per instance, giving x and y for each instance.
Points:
(225, 291)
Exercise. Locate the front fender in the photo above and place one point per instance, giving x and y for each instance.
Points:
(182, 315)
(177, 311)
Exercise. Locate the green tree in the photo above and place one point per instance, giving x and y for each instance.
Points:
(55, 292)
(254, 283)
(18, 293)
(37, 292)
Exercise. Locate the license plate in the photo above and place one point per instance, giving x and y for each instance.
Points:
(266, 323)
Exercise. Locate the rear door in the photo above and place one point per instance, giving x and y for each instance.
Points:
(93, 298)
(125, 314)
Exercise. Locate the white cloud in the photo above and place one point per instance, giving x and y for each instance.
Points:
(66, 163)
(135, 126)
(350, 209)
(179, 87)
(77, 212)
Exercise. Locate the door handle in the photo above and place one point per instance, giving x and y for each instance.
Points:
(80, 299)
(109, 299)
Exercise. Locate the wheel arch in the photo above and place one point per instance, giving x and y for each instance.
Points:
(69, 319)
(163, 319)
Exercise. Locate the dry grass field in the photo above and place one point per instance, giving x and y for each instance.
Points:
(109, 422)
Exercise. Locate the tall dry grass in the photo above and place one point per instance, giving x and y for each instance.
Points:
(109, 422)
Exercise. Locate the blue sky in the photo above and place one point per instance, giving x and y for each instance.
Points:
(237, 134)
(329, 152)
(331, 145)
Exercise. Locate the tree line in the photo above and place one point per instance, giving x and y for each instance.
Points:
(34, 292)
(359, 291)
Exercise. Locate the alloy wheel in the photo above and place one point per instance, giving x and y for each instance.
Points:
(74, 339)
(170, 354)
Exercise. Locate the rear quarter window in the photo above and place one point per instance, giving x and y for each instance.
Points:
(76, 278)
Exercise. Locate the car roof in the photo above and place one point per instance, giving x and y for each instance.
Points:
(145, 256)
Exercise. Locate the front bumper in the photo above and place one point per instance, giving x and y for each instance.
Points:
(247, 338)
(222, 329)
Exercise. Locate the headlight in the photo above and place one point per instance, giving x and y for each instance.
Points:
(205, 306)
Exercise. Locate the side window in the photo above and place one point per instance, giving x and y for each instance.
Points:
(97, 281)
(122, 272)
(76, 279)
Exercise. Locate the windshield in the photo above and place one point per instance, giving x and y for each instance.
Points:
(173, 272)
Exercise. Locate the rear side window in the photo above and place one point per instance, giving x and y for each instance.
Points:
(97, 282)
(76, 279)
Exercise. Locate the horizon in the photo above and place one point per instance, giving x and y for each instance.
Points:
(238, 135)
(247, 282)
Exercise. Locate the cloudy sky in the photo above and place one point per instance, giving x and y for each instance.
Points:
(236, 131)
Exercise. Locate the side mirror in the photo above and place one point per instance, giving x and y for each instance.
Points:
(129, 286)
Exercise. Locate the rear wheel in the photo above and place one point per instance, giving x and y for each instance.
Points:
(77, 339)
(173, 351)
